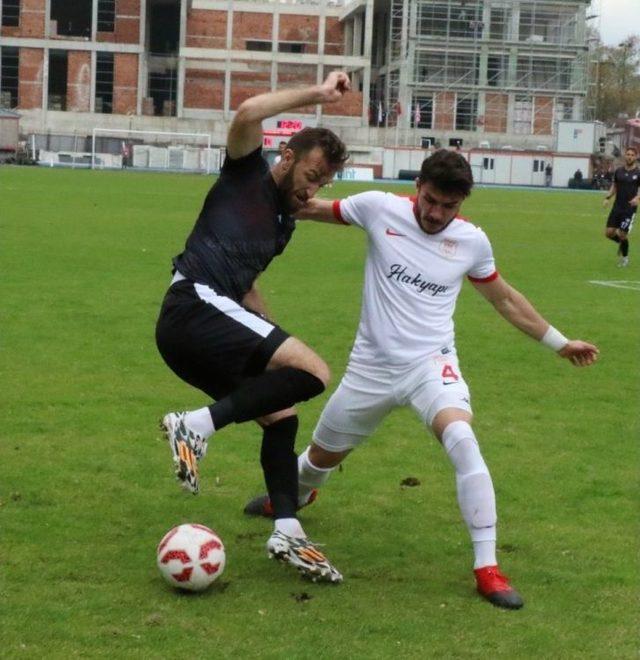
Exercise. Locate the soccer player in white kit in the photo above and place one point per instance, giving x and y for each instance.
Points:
(404, 354)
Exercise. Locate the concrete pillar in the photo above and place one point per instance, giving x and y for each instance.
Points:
(45, 84)
(142, 58)
(348, 37)
(181, 60)
(92, 91)
(366, 74)
(514, 34)
(358, 25)
(511, 112)
(322, 28)
(94, 19)
(227, 68)
(404, 93)
(275, 32)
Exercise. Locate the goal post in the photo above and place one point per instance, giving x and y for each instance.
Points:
(113, 148)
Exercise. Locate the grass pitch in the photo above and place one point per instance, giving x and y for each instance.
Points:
(86, 489)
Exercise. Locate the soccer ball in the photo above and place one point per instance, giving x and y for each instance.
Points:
(191, 557)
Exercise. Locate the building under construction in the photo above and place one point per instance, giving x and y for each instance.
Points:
(424, 71)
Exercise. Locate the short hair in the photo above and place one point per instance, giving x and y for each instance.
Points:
(448, 171)
(333, 148)
(635, 149)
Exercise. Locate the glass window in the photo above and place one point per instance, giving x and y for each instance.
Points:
(466, 112)
(9, 63)
(422, 112)
(11, 13)
(104, 83)
(254, 44)
(106, 15)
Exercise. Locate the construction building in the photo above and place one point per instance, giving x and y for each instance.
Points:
(448, 71)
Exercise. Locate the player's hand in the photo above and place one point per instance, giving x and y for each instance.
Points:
(579, 353)
(605, 201)
(334, 87)
(634, 202)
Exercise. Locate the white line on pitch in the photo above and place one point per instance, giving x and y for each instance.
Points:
(618, 284)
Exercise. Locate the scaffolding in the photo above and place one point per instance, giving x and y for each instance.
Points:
(488, 66)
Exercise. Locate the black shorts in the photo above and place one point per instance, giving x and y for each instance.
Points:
(622, 220)
(211, 341)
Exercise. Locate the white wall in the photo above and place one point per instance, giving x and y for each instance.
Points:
(579, 137)
(504, 167)
(565, 166)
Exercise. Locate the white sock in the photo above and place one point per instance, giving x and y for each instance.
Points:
(310, 477)
(290, 527)
(200, 421)
(485, 554)
(476, 496)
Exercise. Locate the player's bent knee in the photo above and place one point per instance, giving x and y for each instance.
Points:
(325, 459)
(303, 385)
(446, 416)
(274, 418)
(296, 354)
(323, 373)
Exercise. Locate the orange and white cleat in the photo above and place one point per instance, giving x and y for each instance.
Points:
(187, 448)
(303, 555)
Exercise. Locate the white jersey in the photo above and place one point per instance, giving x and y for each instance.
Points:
(412, 279)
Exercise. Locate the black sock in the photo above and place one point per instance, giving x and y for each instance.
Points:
(280, 466)
(624, 247)
(267, 393)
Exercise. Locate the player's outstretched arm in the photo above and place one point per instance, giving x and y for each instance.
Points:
(516, 309)
(580, 353)
(318, 209)
(245, 132)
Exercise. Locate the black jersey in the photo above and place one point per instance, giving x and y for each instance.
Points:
(627, 185)
(241, 228)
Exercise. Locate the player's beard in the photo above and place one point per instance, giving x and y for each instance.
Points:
(288, 196)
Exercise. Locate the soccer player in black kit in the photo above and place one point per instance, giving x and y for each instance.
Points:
(625, 186)
(213, 331)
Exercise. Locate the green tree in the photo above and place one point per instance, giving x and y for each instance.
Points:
(615, 76)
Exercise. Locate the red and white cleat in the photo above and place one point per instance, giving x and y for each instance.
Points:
(495, 587)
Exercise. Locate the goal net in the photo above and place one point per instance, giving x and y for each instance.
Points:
(154, 150)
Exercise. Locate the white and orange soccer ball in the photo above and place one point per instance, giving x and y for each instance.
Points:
(191, 557)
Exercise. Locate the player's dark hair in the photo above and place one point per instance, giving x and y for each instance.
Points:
(447, 171)
(333, 148)
(632, 148)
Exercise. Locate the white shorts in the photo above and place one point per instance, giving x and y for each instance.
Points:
(367, 394)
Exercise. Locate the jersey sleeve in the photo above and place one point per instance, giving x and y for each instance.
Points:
(361, 209)
(249, 163)
(484, 266)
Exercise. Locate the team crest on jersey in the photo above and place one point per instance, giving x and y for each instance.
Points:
(448, 247)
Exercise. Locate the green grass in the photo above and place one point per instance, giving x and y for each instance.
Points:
(86, 489)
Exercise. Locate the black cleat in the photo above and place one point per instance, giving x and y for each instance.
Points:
(261, 505)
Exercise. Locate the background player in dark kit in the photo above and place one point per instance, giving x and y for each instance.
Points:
(213, 331)
(625, 186)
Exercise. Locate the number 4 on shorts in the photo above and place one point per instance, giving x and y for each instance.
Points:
(448, 373)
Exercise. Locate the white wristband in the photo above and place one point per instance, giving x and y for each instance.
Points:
(554, 339)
